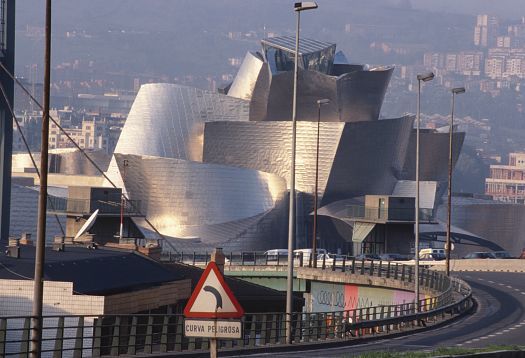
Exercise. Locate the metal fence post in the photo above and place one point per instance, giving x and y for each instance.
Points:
(164, 334)
(132, 336)
(252, 334)
(79, 338)
(59, 339)
(25, 342)
(3, 335)
(148, 341)
(264, 327)
(178, 333)
(115, 342)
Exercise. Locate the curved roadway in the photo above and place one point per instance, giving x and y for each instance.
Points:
(498, 320)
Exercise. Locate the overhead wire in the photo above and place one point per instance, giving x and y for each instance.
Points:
(26, 144)
(97, 167)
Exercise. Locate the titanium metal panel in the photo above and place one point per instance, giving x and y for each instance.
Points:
(369, 159)
(433, 164)
(311, 86)
(355, 96)
(266, 146)
(244, 83)
(166, 120)
(361, 93)
(73, 162)
(182, 198)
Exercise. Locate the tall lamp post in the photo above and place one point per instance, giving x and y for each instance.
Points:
(455, 91)
(320, 102)
(298, 7)
(425, 77)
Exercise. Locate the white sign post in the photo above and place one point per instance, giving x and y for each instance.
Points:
(210, 309)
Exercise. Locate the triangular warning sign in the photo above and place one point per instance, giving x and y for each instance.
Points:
(212, 298)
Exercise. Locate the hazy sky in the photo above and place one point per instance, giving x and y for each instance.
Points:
(503, 8)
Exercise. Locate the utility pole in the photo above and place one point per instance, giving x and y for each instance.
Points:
(38, 291)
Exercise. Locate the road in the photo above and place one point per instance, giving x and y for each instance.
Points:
(499, 319)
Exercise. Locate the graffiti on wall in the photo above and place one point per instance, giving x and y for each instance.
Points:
(331, 297)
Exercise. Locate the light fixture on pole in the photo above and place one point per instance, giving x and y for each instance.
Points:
(455, 91)
(298, 7)
(313, 255)
(425, 77)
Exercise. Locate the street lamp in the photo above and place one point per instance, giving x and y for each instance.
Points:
(425, 77)
(320, 102)
(298, 7)
(455, 91)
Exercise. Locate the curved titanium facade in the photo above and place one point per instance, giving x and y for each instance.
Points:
(361, 93)
(355, 92)
(244, 83)
(354, 97)
(75, 163)
(433, 164)
(166, 120)
(266, 146)
(181, 197)
(311, 86)
(64, 161)
(369, 158)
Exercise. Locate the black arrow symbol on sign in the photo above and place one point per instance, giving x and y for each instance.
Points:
(216, 293)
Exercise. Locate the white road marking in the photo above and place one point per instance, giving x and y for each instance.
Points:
(509, 287)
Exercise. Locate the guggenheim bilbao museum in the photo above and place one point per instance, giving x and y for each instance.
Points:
(212, 169)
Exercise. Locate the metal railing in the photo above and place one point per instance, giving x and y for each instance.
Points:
(386, 214)
(113, 335)
(341, 263)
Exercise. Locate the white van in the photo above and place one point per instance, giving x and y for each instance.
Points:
(277, 254)
(432, 254)
(307, 252)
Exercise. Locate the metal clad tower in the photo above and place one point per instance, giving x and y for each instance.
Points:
(7, 58)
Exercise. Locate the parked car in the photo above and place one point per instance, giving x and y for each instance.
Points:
(522, 256)
(480, 255)
(368, 257)
(503, 255)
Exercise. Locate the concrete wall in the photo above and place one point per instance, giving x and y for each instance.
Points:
(332, 297)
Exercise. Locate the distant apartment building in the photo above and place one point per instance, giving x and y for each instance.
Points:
(468, 63)
(486, 31)
(507, 182)
(505, 62)
(91, 134)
